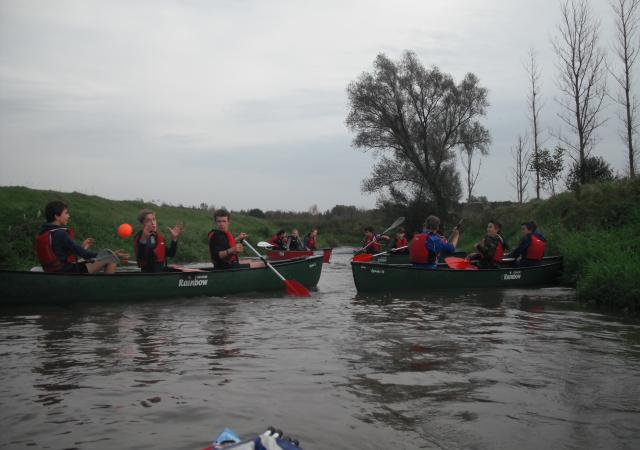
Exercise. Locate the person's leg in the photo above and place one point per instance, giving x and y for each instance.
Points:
(253, 263)
(96, 266)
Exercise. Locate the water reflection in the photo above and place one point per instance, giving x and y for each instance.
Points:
(471, 362)
(476, 369)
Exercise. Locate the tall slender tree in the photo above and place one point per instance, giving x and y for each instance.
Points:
(535, 105)
(626, 51)
(470, 171)
(520, 174)
(581, 80)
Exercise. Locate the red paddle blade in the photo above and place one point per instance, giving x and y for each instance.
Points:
(296, 289)
(457, 263)
(363, 257)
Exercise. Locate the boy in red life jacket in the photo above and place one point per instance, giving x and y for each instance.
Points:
(425, 248)
(399, 241)
(223, 247)
(58, 252)
(490, 248)
(310, 239)
(531, 247)
(370, 243)
(279, 240)
(150, 246)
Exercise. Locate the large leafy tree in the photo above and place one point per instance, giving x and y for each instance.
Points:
(416, 119)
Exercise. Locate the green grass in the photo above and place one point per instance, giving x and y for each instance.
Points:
(596, 231)
(97, 217)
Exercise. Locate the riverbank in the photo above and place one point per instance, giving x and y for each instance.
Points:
(597, 231)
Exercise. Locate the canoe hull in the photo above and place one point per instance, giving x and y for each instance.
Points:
(38, 287)
(377, 277)
(280, 255)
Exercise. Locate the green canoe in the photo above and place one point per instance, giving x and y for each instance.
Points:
(39, 287)
(377, 277)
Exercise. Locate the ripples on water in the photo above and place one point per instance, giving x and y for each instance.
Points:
(522, 369)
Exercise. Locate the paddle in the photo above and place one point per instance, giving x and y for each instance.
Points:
(457, 227)
(398, 221)
(263, 244)
(459, 263)
(294, 287)
(366, 257)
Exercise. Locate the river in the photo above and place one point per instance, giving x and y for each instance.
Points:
(498, 369)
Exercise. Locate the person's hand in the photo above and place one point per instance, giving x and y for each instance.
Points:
(242, 236)
(239, 248)
(175, 231)
(384, 237)
(123, 256)
(88, 242)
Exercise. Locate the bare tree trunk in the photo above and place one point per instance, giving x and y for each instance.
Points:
(626, 12)
(534, 110)
(582, 76)
(521, 159)
(471, 176)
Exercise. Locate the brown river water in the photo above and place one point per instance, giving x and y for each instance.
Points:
(492, 369)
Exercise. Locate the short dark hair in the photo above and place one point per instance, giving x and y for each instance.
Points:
(369, 229)
(496, 224)
(144, 213)
(400, 230)
(432, 223)
(281, 232)
(221, 213)
(53, 209)
(531, 226)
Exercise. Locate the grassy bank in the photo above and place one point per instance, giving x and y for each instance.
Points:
(597, 231)
(97, 217)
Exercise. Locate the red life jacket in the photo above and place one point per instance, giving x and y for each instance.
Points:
(46, 255)
(536, 248)
(400, 243)
(499, 254)
(418, 253)
(232, 243)
(374, 247)
(159, 251)
(311, 243)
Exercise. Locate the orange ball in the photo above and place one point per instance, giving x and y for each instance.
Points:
(125, 230)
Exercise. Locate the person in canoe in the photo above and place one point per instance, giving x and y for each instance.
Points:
(150, 246)
(530, 249)
(505, 245)
(310, 240)
(490, 249)
(399, 241)
(294, 242)
(425, 248)
(59, 252)
(370, 242)
(224, 248)
(279, 240)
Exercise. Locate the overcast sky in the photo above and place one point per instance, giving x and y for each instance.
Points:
(242, 103)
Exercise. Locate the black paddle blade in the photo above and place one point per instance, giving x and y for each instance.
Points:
(296, 289)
